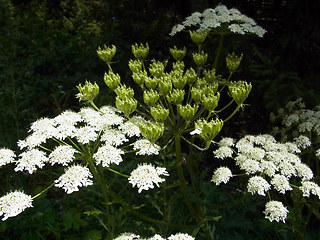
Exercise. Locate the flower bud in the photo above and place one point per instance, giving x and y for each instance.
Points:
(140, 52)
(127, 105)
(87, 92)
(208, 130)
(176, 96)
(135, 65)
(210, 89)
(210, 102)
(139, 77)
(165, 85)
(159, 113)
(107, 53)
(179, 65)
(112, 80)
(210, 76)
(191, 76)
(233, 61)
(198, 37)
(150, 97)
(151, 131)
(196, 94)
(178, 80)
(151, 82)
(239, 91)
(200, 58)
(178, 54)
(124, 92)
(187, 112)
(156, 68)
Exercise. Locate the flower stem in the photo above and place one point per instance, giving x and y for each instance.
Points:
(215, 63)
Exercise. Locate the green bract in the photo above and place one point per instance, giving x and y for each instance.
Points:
(107, 53)
(150, 97)
(178, 54)
(151, 131)
(198, 37)
(176, 96)
(200, 59)
(165, 85)
(156, 68)
(127, 105)
(187, 111)
(210, 102)
(135, 65)
(112, 80)
(140, 51)
(159, 113)
(208, 130)
(124, 92)
(88, 91)
(239, 91)
(233, 61)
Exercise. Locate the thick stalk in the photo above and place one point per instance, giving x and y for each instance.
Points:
(215, 63)
(177, 141)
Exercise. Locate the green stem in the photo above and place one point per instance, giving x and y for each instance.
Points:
(177, 141)
(215, 63)
(34, 197)
(233, 113)
(121, 174)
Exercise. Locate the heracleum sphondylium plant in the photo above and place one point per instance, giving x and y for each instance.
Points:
(179, 103)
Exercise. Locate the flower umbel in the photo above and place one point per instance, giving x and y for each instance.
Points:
(146, 175)
(13, 204)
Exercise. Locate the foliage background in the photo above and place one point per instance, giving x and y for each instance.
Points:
(47, 47)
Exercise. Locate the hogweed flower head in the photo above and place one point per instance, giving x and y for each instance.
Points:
(63, 154)
(145, 147)
(74, 177)
(187, 112)
(150, 97)
(165, 85)
(127, 106)
(135, 66)
(31, 160)
(88, 91)
(156, 68)
(140, 51)
(13, 204)
(176, 96)
(124, 92)
(107, 53)
(275, 211)
(6, 156)
(191, 76)
(208, 130)
(139, 77)
(210, 102)
(221, 175)
(146, 176)
(107, 154)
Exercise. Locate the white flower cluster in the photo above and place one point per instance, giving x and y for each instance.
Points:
(6, 156)
(221, 18)
(146, 175)
(13, 204)
(177, 236)
(270, 165)
(74, 177)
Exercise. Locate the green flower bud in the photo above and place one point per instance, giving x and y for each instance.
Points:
(112, 80)
(150, 97)
(233, 61)
(196, 94)
(178, 54)
(210, 76)
(176, 96)
(198, 37)
(191, 76)
(156, 68)
(135, 65)
(124, 92)
(209, 130)
(210, 102)
(139, 77)
(177, 79)
(179, 65)
(140, 52)
(210, 89)
(151, 131)
(239, 91)
(151, 82)
(165, 85)
(87, 92)
(127, 105)
(159, 113)
(200, 58)
(107, 53)
(187, 112)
